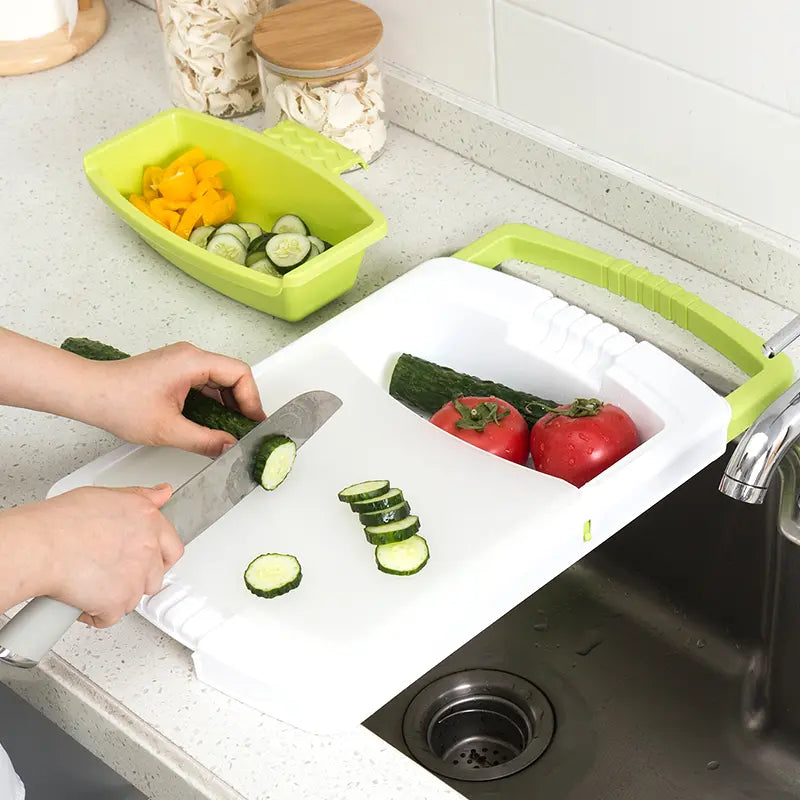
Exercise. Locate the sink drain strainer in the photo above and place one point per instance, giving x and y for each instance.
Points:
(478, 725)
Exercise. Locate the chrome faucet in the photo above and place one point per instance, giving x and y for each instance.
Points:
(769, 438)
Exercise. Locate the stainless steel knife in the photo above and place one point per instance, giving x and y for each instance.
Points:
(193, 507)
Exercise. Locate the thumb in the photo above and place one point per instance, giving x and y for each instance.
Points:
(198, 439)
(157, 495)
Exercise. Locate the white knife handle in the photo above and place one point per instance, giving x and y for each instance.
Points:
(28, 637)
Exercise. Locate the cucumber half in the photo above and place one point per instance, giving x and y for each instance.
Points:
(363, 491)
(274, 461)
(385, 500)
(290, 223)
(397, 531)
(288, 250)
(273, 574)
(383, 515)
(402, 558)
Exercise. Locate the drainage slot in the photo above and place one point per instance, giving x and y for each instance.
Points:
(478, 725)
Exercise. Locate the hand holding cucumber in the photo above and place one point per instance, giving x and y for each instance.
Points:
(144, 396)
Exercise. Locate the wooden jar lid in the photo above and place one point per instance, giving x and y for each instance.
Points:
(313, 35)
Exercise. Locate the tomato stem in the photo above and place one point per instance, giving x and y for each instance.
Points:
(580, 407)
(479, 416)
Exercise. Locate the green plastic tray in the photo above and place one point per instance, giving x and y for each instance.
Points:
(288, 169)
(770, 376)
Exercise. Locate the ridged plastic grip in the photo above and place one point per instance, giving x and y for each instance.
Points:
(314, 147)
(739, 345)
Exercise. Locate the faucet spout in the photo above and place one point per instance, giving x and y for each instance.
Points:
(761, 448)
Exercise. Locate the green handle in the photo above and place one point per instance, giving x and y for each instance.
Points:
(770, 376)
(314, 147)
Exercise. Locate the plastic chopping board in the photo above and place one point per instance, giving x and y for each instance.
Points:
(327, 655)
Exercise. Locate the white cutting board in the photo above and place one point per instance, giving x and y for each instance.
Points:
(324, 657)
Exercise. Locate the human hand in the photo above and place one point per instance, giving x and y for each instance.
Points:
(140, 399)
(102, 548)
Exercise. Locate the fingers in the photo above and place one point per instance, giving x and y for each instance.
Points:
(231, 373)
(171, 548)
(190, 436)
(157, 495)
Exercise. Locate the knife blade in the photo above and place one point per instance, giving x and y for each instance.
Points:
(193, 507)
(218, 487)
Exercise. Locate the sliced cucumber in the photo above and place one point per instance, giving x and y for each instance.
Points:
(315, 251)
(397, 531)
(252, 230)
(363, 491)
(273, 574)
(228, 246)
(385, 500)
(252, 258)
(290, 223)
(259, 243)
(288, 250)
(265, 266)
(233, 229)
(201, 235)
(384, 515)
(318, 243)
(402, 558)
(274, 460)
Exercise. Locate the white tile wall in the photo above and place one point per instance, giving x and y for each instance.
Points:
(703, 95)
(448, 40)
(746, 46)
(707, 140)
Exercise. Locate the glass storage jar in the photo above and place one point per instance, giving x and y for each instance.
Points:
(208, 45)
(318, 66)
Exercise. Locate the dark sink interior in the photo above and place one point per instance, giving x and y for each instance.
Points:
(670, 658)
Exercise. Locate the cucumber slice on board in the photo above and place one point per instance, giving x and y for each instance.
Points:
(273, 574)
(290, 223)
(385, 500)
(363, 491)
(397, 531)
(383, 515)
(228, 246)
(274, 461)
(402, 558)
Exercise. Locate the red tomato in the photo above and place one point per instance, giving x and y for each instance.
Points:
(581, 441)
(488, 423)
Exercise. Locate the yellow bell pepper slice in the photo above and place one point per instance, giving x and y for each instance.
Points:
(221, 211)
(209, 168)
(142, 205)
(190, 158)
(164, 204)
(178, 185)
(204, 185)
(152, 177)
(194, 213)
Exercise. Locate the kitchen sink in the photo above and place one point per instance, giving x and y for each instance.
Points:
(663, 666)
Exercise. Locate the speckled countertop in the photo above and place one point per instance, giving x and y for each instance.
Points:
(71, 268)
